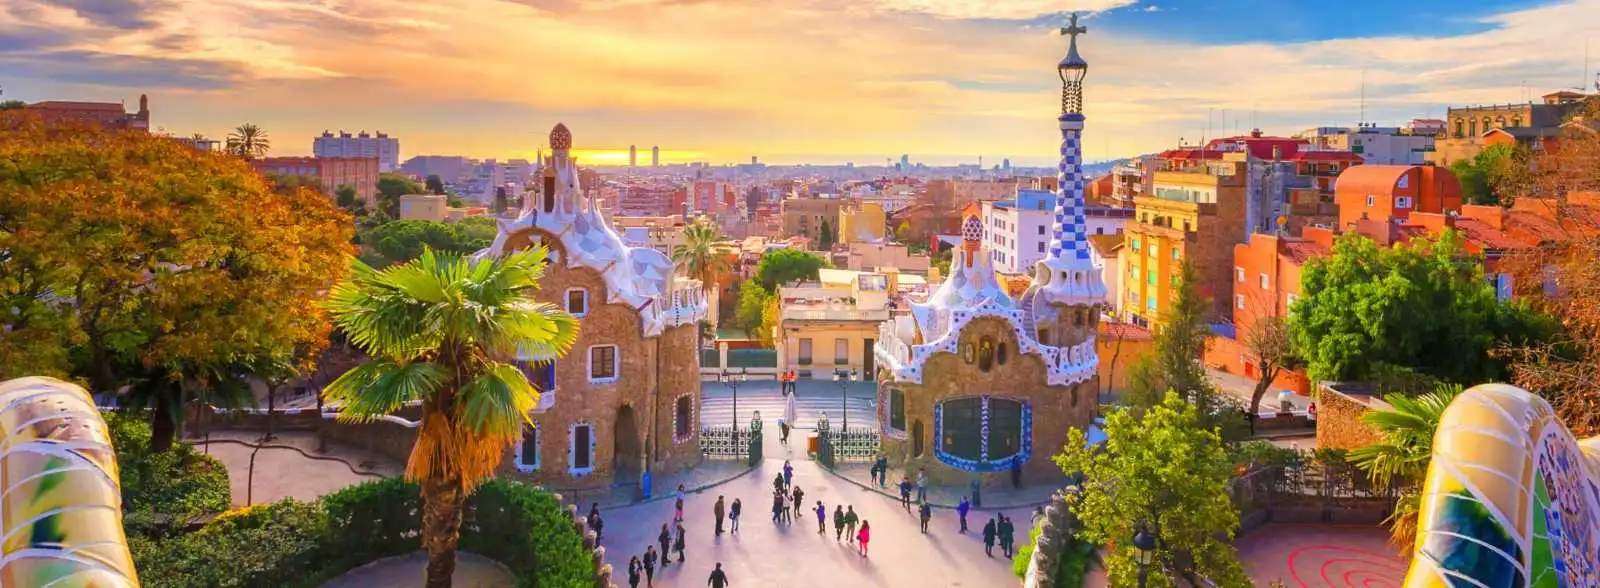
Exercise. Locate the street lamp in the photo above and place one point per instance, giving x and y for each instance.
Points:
(843, 377)
(1145, 546)
(732, 380)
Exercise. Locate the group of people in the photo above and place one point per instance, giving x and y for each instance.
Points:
(999, 528)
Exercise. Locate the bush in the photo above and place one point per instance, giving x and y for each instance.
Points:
(1019, 562)
(168, 489)
(1074, 568)
(295, 544)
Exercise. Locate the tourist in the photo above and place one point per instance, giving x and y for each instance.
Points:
(719, 511)
(783, 432)
(650, 565)
(905, 493)
(733, 515)
(883, 471)
(666, 541)
(1007, 531)
(872, 473)
(777, 506)
(599, 525)
(634, 567)
(788, 473)
(777, 482)
(798, 501)
(677, 543)
(838, 523)
(961, 510)
(989, 533)
(678, 511)
(594, 511)
(863, 536)
(922, 485)
(822, 518)
(925, 512)
(718, 579)
(850, 520)
(1311, 413)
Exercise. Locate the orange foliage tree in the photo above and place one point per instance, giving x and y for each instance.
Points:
(1561, 275)
(132, 260)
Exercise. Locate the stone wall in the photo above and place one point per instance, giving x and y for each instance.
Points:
(1055, 538)
(947, 375)
(385, 438)
(1339, 423)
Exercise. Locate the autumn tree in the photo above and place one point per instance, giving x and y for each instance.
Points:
(1271, 347)
(1163, 473)
(787, 265)
(161, 268)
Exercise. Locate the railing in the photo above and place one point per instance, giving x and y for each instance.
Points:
(846, 444)
(1309, 493)
(730, 442)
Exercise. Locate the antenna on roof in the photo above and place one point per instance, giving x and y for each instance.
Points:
(1583, 79)
(1363, 96)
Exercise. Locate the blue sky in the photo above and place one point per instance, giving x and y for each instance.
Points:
(819, 81)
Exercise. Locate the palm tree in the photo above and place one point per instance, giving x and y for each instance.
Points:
(1403, 456)
(249, 141)
(698, 252)
(439, 330)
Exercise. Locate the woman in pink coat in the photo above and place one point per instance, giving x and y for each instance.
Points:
(862, 536)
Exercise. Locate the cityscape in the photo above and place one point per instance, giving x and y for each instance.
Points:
(418, 308)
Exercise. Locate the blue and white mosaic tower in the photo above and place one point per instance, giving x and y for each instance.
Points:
(1068, 275)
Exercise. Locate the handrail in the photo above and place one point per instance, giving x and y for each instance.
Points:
(60, 496)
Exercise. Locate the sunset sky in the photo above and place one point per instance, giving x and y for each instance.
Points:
(819, 81)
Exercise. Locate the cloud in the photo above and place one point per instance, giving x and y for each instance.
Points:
(120, 14)
(731, 78)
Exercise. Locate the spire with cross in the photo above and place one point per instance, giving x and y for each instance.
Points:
(1068, 274)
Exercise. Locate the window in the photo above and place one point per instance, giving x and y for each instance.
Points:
(805, 352)
(1371, 200)
(1265, 285)
(1041, 229)
(1099, 230)
(541, 374)
(1135, 245)
(1289, 300)
(578, 301)
(897, 409)
(1150, 277)
(1402, 202)
(1005, 429)
(1174, 253)
(1154, 249)
(1000, 354)
(1150, 304)
(962, 428)
(1041, 247)
(981, 434)
(581, 449)
(528, 450)
(603, 363)
(681, 413)
(1238, 301)
(1133, 296)
(985, 354)
(841, 351)
(1238, 274)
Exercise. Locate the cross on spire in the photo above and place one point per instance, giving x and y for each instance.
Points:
(1073, 29)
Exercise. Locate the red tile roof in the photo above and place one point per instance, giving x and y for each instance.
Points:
(1302, 251)
(1326, 156)
(1486, 236)
(1124, 331)
(1261, 147)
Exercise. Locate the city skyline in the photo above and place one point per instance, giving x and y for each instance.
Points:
(946, 81)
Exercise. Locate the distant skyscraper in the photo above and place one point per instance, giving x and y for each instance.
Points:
(752, 160)
(1005, 164)
(655, 156)
(905, 161)
(633, 156)
(385, 148)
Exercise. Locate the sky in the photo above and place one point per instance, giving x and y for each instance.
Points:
(789, 81)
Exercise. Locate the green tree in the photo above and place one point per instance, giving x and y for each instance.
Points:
(698, 252)
(248, 141)
(442, 330)
(391, 187)
(13, 105)
(404, 240)
(347, 199)
(1423, 306)
(1493, 176)
(1175, 362)
(149, 274)
(826, 237)
(1163, 473)
(1402, 457)
(753, 301)
(433, 184)
(787, 265)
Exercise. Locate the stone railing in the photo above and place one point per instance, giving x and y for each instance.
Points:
(602, 570)
(1055, 538)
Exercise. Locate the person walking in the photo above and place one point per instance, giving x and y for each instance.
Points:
(594, 511)
(863, 536)
(733, 515)
(905, 493)
(1007, 534)
(788, 474)
(783, 432)
(777, 482)
(922, 485)
(650, 565)
(777, 506)
(677, 543)
(961, 510)
(599, 525)
(718, 579)
(850, 520)
(634, 569)
(925, 512)
(989, 533)
(822, 518)
(665, 538)
(677, 516)
(838, 523)
(719, 510)
(883, 470)
(798, 501)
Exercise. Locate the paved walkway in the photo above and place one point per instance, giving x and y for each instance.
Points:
(709, 473)
(794, 555)
(1322, 556)
(285, 473)
(407, 571)
(996, 496)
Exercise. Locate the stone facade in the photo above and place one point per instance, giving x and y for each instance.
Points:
(1055, 409)
(1339, 423)
(618, 412)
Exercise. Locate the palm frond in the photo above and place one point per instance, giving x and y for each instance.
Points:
(497, 402)
(377, 316)
(381, 386)
(538, 329)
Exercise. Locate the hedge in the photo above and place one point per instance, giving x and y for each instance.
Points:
(1024, 554)
(297, 544)
(166, 489)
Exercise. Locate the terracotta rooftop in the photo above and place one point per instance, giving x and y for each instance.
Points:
(1303, 251)
(1106, 245)
(1487, 236)
(66, 104)
(1124, 331)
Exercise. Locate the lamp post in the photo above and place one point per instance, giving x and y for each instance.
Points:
(1145, 546)
(843, 377)
(732, 380)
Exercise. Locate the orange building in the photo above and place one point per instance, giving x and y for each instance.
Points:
(1388, 192)
(360, 173)
(108, 114)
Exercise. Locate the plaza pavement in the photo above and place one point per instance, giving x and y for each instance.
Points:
(794, 555)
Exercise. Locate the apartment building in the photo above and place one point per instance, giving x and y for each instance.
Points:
(832, 324)
(1195, 215)
(1017, 231)
(360, 145)
(332, 173)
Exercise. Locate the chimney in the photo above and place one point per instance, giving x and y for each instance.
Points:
(1255, 133)
(1277, 153)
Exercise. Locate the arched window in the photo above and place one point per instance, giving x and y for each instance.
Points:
(1460, 128)
(1000, 354)
(680, 421)
(985, 354)
(897, 409)
(982, 434)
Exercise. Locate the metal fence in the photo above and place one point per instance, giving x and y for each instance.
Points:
(846, 444)
(730, 442)
(1309, 493)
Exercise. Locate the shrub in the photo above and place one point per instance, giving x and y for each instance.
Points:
(374, 520)
(1019, 562)
(527, 530)
(280, 544)
(167, 489)
(1073, 570)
